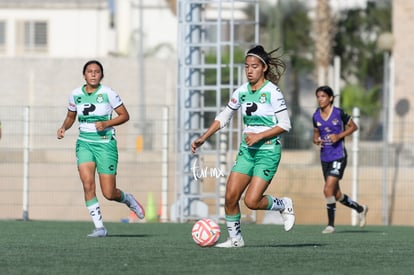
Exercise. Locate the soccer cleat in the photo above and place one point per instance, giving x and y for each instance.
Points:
(328, 230)
(288, 214)
(135, 206)
(98, 232)
(231, 242)
(363, 216)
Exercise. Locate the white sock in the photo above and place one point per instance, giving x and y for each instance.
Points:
(95, 212)
(233, 226)
(275, 204)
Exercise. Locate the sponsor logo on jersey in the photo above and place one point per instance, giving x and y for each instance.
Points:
(251, 107)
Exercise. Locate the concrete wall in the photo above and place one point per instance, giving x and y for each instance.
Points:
(403, 63)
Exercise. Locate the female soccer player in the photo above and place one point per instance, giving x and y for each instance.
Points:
(265, 117)
(331, 126)
(96, 146)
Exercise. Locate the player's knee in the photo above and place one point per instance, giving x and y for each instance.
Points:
(328, 191)
(88, 187)
(110, 195)
(230, 203)
(251, 203)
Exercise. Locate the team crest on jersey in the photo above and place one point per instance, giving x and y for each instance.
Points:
(262, 98)
(99, 98)
(335, 121)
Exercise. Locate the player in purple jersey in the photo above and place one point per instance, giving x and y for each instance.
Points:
(331, 126)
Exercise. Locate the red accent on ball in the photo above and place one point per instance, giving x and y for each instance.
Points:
(206, 232)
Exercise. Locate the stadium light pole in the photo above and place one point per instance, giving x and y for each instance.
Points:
(385, 43)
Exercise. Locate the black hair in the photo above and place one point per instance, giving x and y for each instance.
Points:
(276, 66)
(93, 62)
(327, 90)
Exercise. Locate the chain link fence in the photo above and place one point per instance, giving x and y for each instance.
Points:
(39, 178)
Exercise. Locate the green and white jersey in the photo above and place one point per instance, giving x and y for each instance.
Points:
(94, 107)
(258, 110)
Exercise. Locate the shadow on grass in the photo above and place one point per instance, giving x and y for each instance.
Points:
(129, 236)
(289, 245)
(356, 231)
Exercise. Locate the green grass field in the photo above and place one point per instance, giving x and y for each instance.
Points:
(40, 247)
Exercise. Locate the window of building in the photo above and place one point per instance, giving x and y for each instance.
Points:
(32, 37)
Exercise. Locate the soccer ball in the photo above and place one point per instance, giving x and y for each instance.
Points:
(206, 232)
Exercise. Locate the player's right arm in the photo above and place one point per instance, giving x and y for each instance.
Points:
(221, 120)
(316, 137)
(214, 127)
(67, 123)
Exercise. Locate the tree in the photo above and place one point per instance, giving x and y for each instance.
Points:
(287, 25)
(323, 40)
(362, 62)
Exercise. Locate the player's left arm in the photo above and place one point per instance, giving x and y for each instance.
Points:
(283, 121)
(122, 117)
(282, 126)
(350, 127)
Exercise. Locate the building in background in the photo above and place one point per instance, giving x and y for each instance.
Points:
(55, 29)
(87, 28)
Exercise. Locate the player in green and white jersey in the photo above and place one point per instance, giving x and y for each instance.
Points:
(96, 146)
(265, 117)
